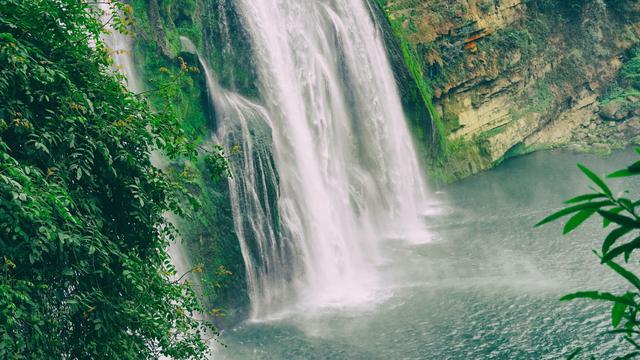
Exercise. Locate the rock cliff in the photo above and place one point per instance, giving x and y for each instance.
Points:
(512, 76)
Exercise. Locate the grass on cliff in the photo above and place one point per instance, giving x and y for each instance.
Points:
(439, 157)
(627, 84)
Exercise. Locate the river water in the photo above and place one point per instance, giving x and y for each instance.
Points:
(485, 286)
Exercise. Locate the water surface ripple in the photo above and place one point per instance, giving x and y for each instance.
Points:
(486, 287)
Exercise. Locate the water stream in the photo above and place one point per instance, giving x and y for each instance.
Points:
(348, 173)
(486, 287)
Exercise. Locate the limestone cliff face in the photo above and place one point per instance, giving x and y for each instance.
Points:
(512, 76)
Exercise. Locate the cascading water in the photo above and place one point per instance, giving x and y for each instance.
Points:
(348, 172)
(246, 125)
(120, 48)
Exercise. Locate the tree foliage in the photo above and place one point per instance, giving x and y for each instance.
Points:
(83, 269)
(622, 216)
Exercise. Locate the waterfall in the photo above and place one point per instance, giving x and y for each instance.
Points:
(246, 125)
(348, 175)
(119, 45)
(326, 169)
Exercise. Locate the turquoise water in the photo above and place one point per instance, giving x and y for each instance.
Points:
(485, 287)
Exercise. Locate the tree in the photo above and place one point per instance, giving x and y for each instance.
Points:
(622, 216)
(83, 269)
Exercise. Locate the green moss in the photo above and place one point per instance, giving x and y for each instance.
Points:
(214, 27)
(627, 84)
(485, 6)
(438, 151)
(518, 149)
(210, 240)
(190, 103)
(495, 131)
(451, 122)
(208, 235)
(465, 157)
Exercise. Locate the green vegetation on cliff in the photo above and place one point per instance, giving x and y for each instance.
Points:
(84, 272)
(212, 25)
(447, 159)
(496, 73)
(432, 146)
(208, 236)
(627, 84)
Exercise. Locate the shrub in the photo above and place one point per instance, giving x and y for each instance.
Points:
(621, 215)
(83, 268)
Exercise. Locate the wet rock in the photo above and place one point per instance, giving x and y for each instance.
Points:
(601, 148)
(611, 109)
(580, 135)
(621, 115)
(620, 144)
(577, 147)
(633, 123)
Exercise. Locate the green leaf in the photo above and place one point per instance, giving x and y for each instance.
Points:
(635, 167)
(617, 312)
(631, 277)
(622, 331)
(67, 272)
(606, 222)
(596, 179)
(596, 295)
(626, 249)
(632, 170)
(622, 173)
(627, 204)
(577, 219)
(584, 197)
(574, 354)
(619, 219)
(572, 209)
(613, 237)
(628, 356)
(632, 342)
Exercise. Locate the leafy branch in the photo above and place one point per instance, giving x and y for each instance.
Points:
(621, 214)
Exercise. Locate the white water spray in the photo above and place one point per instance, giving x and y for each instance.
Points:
(348, 172)
(254, 190)
(120, 46)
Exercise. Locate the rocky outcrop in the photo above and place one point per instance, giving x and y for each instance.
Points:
(513, 76)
